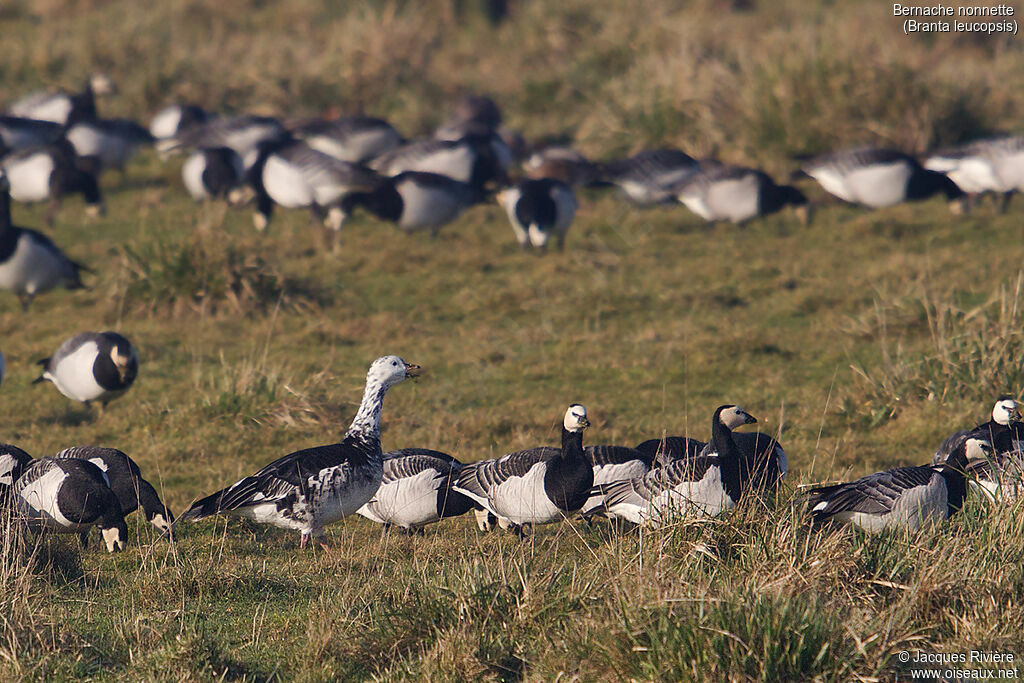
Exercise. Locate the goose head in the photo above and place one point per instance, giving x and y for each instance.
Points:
(1005, 411)
(390, 370)
(733, 416)
(115, 537)
(575, 418)
(124, 357)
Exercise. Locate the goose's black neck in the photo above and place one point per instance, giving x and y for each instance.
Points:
(954, 471)
(735, 470)
(569, 475)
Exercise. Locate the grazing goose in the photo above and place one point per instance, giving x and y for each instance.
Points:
(763, 462)
(111, 143)
(212, 172)
(474, 159)
(537, 486)
(62, 107)
(907, 497)
(18, 133)
(126, 482)
(29, 262)
(612, 464)
(705, 485)
(539, 210)
(356, 139)
(989, 165)
(737, 194)
(175, 119)
(244, 134)
(70, 496)
(415, 201)
(13, 462)
(92, 366)
(416, 490)
(647, 178)
(48, 172)
(877, 178)
(560, 163)
(309, 489)
(291, 174)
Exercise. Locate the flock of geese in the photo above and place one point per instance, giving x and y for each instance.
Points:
(55, 143)
(657, 482)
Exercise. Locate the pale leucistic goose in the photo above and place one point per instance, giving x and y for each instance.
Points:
(416, 490)
(474, 159)
(1002, 476)
(291, 174)
(70, 496)
(414, 200)
(536, 486)
(647, 178)
(309, 489)
(905, 497)
(61, 107)
(612, 464)
(877, 178)
(174, 119)
(356, 139)
(705, 485)
(989, 165)
(18, 133)
(210, 173)
(48, 172)
(13, 462)
(109, 143)
(539, 210)
(126, 482)
(92, 367)
(737, 194)
(30, 263)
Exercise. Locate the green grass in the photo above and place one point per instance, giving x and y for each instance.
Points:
(866, 337)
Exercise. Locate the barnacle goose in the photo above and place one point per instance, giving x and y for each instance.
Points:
(62, 107)
(474, 159)
(92, 366)
(536, 486)
(539, 210)
(18, 133)
(877, 178)
(908, 497)
(126, 482)
(416, 490)
(356, 139)
(291, 174)
(70, 496)
(647, 177)
(1002, 476)
(110, 142)
(48, 172)
(766, 454)
(612, 464)
(560, 163)
(990, 165)
(309, 489)
(13, 462)
(29, 262)
(414, 200)
(704, 485)
(737, 194)
(175, 119)
(244, 134)
(211, 172)
(671, 448)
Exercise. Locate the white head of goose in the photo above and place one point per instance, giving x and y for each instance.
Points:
(905, 497)
(92, 366)
(1004, 431)
(13, 462)
(70, 496)
(703, 485)
(536, 486)
(30, 263)
(309, 489)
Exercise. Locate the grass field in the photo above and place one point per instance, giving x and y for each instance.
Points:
(865, 338)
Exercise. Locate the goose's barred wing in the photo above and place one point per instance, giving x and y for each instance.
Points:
(874, 494)
(671, 448)
(614, 455)
(478, 478)
(657, 480)
(322, 169)
(411, 461)
(850, 159)
(413, 151)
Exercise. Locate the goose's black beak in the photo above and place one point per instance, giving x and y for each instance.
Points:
(412, 370)
(749, 419)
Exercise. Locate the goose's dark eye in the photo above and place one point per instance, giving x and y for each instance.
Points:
(393, 363)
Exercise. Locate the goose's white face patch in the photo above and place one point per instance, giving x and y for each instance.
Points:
(388, 370)
(977, 449)
(734, 416)
(112, 539)
(576, 418)
(160, 522)
(8, 463)
(1004, 411)
(99, 463)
